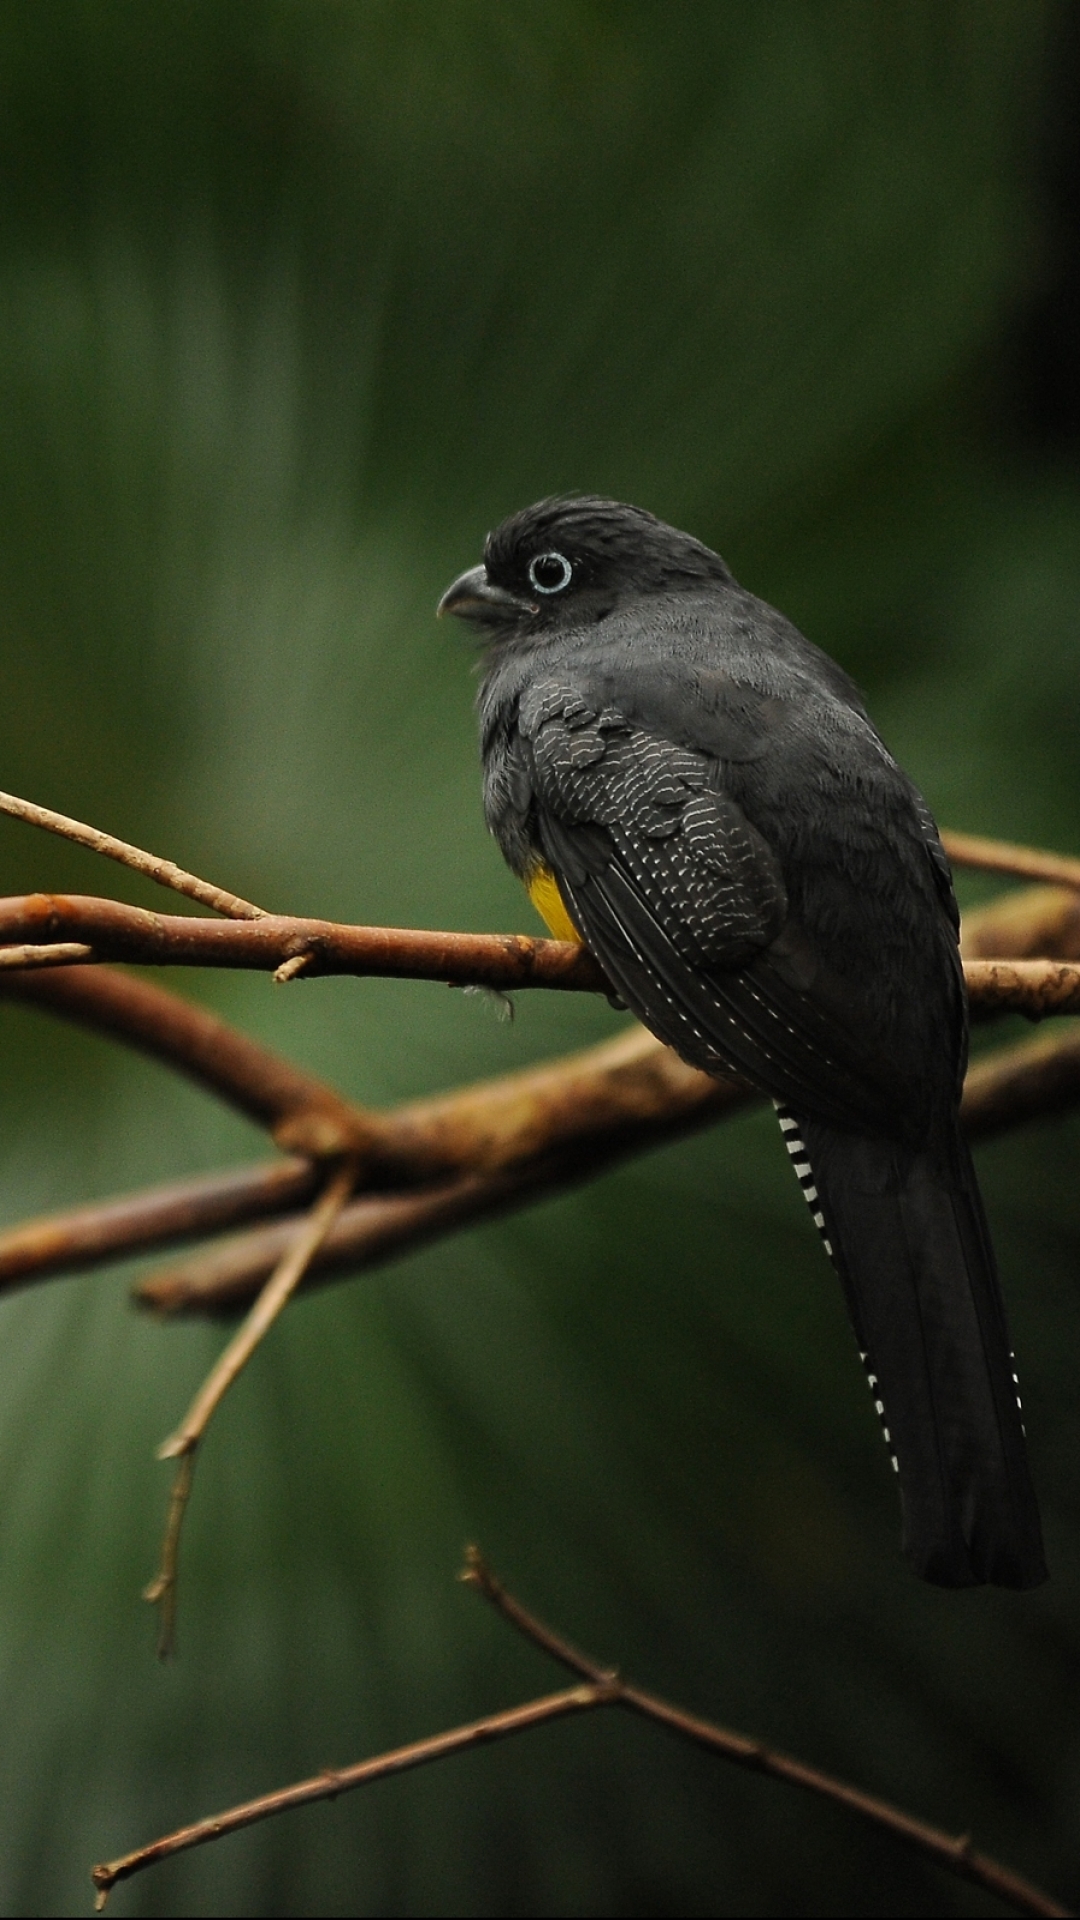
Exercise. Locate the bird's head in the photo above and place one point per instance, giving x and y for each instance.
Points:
(568, 562)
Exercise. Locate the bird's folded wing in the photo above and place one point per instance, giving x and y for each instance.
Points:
(684, 904)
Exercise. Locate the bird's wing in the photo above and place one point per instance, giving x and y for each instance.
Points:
(684, 904)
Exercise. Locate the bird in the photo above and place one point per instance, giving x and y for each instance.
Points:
(694, 791)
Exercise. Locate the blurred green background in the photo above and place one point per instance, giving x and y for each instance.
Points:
(296, 300)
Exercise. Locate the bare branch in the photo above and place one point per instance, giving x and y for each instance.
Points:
(1036, 923)
(602, 1686)
(182, 1444)
(1029, 1081)
(301, 1112)
(155, 1216)
(1035, 988)
(503, 961)
(328, 1784)
(506, 961)
(166, 872)
(1001, 856)
(370, 1231)
(1007, 1088)
(953, 1852)
(524, 1133)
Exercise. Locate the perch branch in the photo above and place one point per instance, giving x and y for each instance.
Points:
(1038, 923)
(601, 1687)
(183, 1444)
(119, 932)
(165, 872)
(503, 961)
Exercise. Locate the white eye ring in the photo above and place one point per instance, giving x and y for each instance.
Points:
(545, 560)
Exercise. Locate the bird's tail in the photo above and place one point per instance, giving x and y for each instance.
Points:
(907, 1234)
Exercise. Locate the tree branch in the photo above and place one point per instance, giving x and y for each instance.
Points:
(155, 1216)
(332, 1781)
(602, 1686)
(165, 872)
(506, 1140)
(301, 1112)
(114, 931)
(504, 961)
(954, 1853)
(1036, 923)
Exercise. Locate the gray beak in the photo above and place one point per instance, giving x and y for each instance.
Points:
(474, 597)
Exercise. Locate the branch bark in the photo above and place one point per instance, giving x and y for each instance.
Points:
(600, 1687)
(117, 932)
(500, 1142)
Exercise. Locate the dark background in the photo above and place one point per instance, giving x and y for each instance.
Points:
(296, 300)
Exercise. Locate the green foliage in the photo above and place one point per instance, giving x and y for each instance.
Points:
(296, 300)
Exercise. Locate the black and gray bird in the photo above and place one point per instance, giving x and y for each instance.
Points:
(694, 790)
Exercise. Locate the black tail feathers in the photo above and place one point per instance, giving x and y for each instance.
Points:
(907, 1234)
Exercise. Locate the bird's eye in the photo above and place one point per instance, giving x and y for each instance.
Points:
(550, 572)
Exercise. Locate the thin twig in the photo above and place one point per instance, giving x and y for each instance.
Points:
(1002, 856)
(328, 1784)
(184, 1442)
(60, 955)
(602, 1686)
(165, 872)
(162, 1590)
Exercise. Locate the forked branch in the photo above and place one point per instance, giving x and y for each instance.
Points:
(599, 1686)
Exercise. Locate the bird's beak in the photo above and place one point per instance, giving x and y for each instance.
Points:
(474, 597)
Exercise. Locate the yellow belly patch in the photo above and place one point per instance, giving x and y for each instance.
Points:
(544, 893)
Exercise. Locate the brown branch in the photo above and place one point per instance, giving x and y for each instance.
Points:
(1001, 856)
(506, 1140)
(165, 872)
(503, 961)
(370, 1232)
(953, 1852)
(1037, 923)
(155, 1216)
(1030, 1081)
(1016, 1084)
(301, 1112)
(184, 1442)
(601, 1687)
(507, 961)
(1035, 988)
(535, 1132)
(332, 1781)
